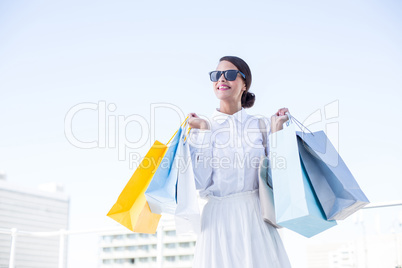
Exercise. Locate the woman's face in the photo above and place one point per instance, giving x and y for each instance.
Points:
(228, 90)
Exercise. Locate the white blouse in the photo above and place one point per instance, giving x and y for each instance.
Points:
(226, 158)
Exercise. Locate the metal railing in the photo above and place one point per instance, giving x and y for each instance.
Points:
(14, 233)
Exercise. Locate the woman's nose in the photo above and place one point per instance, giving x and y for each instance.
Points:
(222, 77)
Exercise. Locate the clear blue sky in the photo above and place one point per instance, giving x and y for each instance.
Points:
(303, 55)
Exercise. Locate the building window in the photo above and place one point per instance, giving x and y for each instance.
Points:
(119, 249)
(170, 258)
(153, 259)
(144, 235)
(107, 249)
(119, 261)
(170, 233)
(170, 245)
(153, 246)
(107, 261)
(185, 257)
(131, 236)
(119, 237)
(132, 261)
(144, 247)
(184, 244)
(132, 248)
(143, 260)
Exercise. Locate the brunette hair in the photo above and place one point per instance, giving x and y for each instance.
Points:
(248, 98)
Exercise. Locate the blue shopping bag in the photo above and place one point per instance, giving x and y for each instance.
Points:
(296, 206)
(336, 188)
(161, 192)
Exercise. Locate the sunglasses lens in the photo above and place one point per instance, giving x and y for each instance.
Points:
(231, 75)
(214, 76)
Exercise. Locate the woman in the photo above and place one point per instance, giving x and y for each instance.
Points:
(225, 152)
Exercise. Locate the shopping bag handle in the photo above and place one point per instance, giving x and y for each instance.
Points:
(186, 134)
(186, 129)
(182, 124)
(300, 125)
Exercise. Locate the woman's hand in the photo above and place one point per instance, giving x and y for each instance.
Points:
(278, 119)
(194, 121)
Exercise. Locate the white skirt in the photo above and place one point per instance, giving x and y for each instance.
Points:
(234, 234)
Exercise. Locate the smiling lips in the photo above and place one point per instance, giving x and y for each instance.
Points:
(223, 87)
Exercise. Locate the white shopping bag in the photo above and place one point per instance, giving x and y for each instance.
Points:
(266, 194)
(187, 216)
(265, 183)
(296, 205)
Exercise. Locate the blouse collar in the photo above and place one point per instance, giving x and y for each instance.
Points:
(222, 117)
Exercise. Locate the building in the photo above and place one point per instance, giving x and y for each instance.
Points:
(32, 210)
(163, 249)
(379, 250)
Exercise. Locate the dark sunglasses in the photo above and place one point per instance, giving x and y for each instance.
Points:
(229, 75)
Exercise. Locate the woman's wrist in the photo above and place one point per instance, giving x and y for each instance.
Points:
(204, 125)
(276, 127)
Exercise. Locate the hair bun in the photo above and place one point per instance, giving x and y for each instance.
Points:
(247, 100)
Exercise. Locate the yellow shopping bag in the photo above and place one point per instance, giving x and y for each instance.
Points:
(131, 209)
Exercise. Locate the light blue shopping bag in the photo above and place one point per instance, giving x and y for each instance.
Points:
(161, 192)
(296, 206)
(335, 186)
